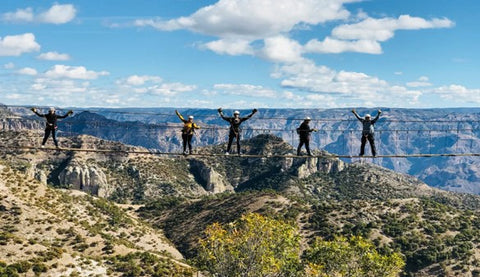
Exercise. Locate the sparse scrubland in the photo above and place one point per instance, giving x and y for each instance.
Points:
(173, 216)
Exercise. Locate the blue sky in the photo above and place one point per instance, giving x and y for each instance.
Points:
(240, 53)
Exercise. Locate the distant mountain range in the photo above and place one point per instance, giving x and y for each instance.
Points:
(398, 132)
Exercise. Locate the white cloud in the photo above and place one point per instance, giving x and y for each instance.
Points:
(418, 84)
(138, 80)
(459, 94)
(14, 96)
(9, 65)
(384, 29)
(230, 46)
(53, 56)
(292, 97)
(73, 72)
(421, 82)
(153, 85)
(58, 88)
(56, 14)
(361, 87)
(21, 15)
(18, 44)
(281, 49)
(245, 90)
(170, 89)
(254, 19)
(27, 71)
(331, 45)
(240, 23)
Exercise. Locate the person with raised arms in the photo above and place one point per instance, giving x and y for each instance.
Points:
(187, 132)
(368, 131)
(235, 131)
(51, 124)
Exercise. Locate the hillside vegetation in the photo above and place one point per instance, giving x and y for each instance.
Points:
(49, 205)
(52, 232)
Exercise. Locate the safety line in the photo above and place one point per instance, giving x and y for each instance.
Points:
(158, 153)
(204, 127)
(93, 110)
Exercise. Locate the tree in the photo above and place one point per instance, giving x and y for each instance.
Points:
(354, 257)
(252, 246)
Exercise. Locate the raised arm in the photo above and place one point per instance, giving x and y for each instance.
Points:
(180, 116)
(356, 115)
(250, 115)
(34, 110)
(378, 115)
(220, 112)
(65, 115)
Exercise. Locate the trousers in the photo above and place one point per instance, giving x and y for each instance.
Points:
(47, 134)
(371, 140)
(231, 136)
(187, 140)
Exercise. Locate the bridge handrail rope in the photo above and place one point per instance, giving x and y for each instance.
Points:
(159, 153)
(214, 115)
(175, 125)
(251, 131)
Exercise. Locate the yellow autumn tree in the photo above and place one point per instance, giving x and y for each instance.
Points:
(352, 257)
(252, 246)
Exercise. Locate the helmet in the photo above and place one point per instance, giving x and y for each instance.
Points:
(368, 116)
(307, 118)
(236, 112)
(52, 109)
(190, 117)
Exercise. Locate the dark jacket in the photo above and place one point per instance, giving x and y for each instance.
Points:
(367, 124)
(51, 119)
(304, 130)
(235, 121)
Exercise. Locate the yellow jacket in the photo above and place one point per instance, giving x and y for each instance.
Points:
(188, 126)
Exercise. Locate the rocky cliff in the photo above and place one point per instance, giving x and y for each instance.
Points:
(117, 173)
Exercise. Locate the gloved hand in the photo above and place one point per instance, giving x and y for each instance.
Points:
(70, 112)
(255, 110)
(379, 111)
(219, 110)
(353, 110)
(314, 130)
(33, 110)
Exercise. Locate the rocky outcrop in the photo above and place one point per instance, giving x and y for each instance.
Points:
(41, 176)
(314, 165)
(87, 178)
(211, 180)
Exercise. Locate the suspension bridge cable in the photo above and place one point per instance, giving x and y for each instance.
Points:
(168, 125)
(215, 115)
(155, 153)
